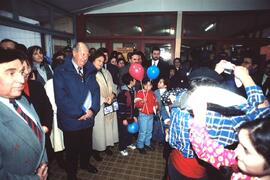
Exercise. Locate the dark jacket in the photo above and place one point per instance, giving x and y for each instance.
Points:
(41, 103)
(114, 72)
(48, 71)
(70, 94)
(125, 101)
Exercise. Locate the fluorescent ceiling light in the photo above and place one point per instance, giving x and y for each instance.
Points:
(211, 26)
(238, 45)
(138, 28)
(170, 31)
(185, 46)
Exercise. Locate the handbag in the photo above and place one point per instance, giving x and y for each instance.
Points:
(110, 108)
(57, 137)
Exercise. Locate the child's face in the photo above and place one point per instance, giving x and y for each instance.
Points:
(172, 72)
(249, 160)
(147, 86)
(133, 82)
(161, 84)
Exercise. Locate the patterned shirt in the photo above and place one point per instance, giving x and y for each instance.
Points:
(210, 151)
(221, 128)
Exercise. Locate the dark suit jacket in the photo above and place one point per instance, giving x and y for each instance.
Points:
(41, 103)
(264, 86)
(21, 152)
(114, 72)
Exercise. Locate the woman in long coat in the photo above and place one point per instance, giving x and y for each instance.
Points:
(105, 131)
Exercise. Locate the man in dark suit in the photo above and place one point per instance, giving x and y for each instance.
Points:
(162, 65)
(264, 80)
(75, 82)
(22, 139)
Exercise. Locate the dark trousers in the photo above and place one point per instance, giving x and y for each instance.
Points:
(158, 134)
(78, 144)
(49, 149)
(125, 138)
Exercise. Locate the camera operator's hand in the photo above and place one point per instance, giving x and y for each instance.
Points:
(222, 65)
(242, 73)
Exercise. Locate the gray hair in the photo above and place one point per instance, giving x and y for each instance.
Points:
(77, 47)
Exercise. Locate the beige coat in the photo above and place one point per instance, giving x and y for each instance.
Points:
(105, 130)
(56, 137)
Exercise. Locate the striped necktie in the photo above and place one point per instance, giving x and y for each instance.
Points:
(80, 71)
(29, 121)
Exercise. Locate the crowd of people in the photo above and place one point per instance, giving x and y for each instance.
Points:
(81, 102)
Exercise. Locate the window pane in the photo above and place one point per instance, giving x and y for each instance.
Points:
(98, 26)
(28, 38)
(120, 45)
(127, 25)
(199, 25)
(96, 45)
(62, 22)
(113, 26)
(33, 13)
(60, 44)
(223, 24)
(6, 8)
(160, 25)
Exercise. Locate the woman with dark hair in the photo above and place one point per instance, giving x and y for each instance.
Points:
(113, 60)
(41, 68)
(58, 58)
(251, 158)
(121, 63)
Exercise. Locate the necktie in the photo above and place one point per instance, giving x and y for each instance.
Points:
(266, 86)
(29, 121)
(80, 71)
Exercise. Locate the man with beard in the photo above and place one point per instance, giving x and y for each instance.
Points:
(162, 65)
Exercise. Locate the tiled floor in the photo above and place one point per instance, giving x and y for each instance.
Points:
(136, 166)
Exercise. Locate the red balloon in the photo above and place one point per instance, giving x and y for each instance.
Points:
(136, 71)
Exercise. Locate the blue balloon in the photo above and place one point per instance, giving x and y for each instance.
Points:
(133, 128)
(152, 72)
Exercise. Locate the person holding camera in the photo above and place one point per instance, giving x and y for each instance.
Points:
(223, 128)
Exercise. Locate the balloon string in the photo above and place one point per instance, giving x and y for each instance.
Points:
(144, 97)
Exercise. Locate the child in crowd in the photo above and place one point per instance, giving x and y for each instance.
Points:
(161, 124)
(126, 113)
(249, 161)
(161, 115)
(145, 101)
